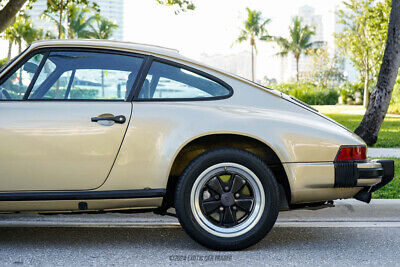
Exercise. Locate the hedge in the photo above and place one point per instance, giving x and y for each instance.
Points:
(309, 93)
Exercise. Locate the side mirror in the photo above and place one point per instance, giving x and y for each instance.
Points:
(30, 67)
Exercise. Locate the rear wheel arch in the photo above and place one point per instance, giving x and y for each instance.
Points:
(202, 144)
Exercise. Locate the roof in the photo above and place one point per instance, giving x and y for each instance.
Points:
(106, 44)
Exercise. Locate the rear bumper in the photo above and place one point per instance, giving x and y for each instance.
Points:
(373, 173)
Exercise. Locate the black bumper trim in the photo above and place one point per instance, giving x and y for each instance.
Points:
(347, 174)
(82, 195)
(388, 173)
(370, 173)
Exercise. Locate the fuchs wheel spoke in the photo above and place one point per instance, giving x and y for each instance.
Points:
(245, 203)
(228, 217)
(210, 206)
(237, 184)
(215, 185)
(225, 200)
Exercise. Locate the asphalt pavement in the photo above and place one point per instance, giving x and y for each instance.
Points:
(352, 233)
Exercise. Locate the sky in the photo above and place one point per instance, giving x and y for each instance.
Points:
(214, 26)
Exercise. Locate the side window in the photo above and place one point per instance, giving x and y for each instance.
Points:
(165, 81)
(86, 76)
(15, 86)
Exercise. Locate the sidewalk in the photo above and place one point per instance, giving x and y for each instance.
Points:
(346, 213)
(383, 152)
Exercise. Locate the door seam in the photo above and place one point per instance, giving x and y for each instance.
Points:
(119, 149)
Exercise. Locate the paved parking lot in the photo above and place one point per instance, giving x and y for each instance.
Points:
(349, 234)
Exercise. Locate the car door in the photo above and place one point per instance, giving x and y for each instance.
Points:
(63, 117)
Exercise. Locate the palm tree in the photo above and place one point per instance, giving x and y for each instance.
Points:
(254, 28)
(103, 28)
(18, 30)
(9, 35)
(78, 23)
(298, 43)
(60, 27)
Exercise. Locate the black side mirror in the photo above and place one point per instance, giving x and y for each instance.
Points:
(30, 67)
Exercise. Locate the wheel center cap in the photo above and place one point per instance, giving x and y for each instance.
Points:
(227, 199)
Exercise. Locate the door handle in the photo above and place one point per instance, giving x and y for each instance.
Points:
(117, 119)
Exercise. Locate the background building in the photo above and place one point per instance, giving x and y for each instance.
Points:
(110, 9)
(350, 71)
(239, 64)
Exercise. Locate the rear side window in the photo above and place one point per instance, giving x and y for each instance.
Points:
(165, 81)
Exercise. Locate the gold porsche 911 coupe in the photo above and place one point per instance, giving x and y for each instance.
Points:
(102, 125)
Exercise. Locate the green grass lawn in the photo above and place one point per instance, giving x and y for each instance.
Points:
(389, 135)
(391, 190)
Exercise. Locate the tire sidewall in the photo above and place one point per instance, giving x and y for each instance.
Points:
(225, 155)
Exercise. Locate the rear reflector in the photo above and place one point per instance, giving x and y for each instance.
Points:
(352, 153)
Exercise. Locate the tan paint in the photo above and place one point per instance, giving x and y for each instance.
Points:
(305, 142)
(49, 145)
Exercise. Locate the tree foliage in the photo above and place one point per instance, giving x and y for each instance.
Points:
(365, 26)
(60, 11)
(324, 69)
(388, 72)
(182, 5)
(10, 9)
(102, 28)
(299, 41)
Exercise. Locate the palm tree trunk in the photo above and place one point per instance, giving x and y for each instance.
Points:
(380, 98)
(366, 91)
(297, 67)
(60, 20)
(102, 83)
(10, 43)
(252, 63)
(20, 69)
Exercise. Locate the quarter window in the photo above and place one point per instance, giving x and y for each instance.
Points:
(165, 81)
(14, 88)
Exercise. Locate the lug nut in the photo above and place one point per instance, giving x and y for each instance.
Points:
(237, 195)
(226, 188)
(234, 207)
(221, 208)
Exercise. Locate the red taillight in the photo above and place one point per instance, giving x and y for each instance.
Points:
(352, 153)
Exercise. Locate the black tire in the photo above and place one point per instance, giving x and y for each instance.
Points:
(198, 232)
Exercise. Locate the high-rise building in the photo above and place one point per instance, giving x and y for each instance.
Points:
(110, 9)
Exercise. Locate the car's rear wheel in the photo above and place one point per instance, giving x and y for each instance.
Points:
(227, 199)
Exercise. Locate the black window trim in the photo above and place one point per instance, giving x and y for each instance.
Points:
(182, 66)
(48, 50)
(18, 65)
(136, 87)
